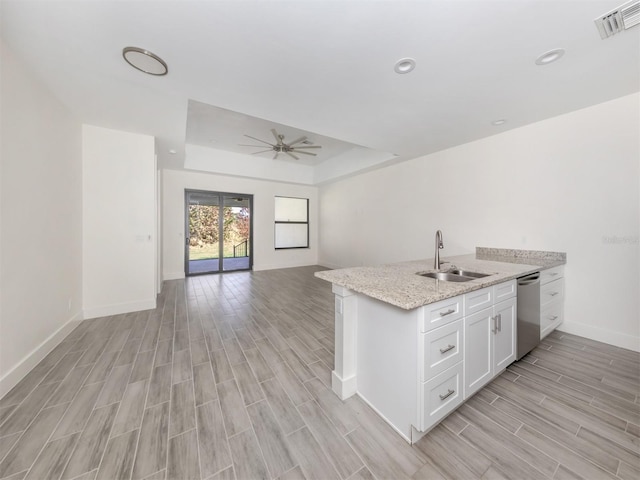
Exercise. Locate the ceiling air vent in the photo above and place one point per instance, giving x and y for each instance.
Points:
(619, 19)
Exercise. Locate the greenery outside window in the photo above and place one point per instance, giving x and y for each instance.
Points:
(291, 222)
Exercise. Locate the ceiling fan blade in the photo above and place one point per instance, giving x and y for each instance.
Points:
(275, 134)
(308, 146)
(260, 140)
(276, 156)
(301, 139)
(305, 153)
(292, 155)
(263, 151)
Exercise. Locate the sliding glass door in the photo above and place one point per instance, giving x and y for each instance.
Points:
(218, 232)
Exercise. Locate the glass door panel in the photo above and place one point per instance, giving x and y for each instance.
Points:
(203, 237)
(236, 235)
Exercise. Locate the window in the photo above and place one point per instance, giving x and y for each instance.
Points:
(292, 223)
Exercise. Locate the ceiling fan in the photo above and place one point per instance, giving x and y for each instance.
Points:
(291, 148)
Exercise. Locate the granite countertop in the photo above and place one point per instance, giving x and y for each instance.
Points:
(398, 284)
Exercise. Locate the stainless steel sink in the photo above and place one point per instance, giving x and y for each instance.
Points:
(467, 273)
(446, 276)
(455, 275)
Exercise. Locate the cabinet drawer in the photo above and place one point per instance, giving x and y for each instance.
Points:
(443, 348)
(441, 313)
(551, 292)
(440, 396)
(550, 318)
(503, 291)
(551, 274)
(478, 300)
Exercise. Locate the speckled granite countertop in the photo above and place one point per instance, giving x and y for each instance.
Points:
(398, 284)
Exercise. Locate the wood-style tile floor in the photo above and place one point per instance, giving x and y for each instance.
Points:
(229, 378)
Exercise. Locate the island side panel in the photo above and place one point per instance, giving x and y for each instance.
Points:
(343, 377)
(387, 362)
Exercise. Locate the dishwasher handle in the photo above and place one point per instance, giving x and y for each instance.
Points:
(529, 279)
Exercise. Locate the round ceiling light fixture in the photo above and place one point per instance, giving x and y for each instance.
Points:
(550, 56)
(145, 61)
(405, 65)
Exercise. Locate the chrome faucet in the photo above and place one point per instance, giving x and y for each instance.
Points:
(439, 245)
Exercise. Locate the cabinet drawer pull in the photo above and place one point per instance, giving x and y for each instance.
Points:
(553, 274)
(553, 317)
(448, 394)
(553, 294)
(448, 312)
(447, 348)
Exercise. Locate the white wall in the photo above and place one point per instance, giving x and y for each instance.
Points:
(40, 221)
(264, 255)
(119, 222)
(570, 183)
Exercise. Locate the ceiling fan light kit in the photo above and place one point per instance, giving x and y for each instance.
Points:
(292, 148)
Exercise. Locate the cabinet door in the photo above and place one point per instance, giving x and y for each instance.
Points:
(550, 318)
(441, 349)
(551, 292)
(504, 339)
(440, 396)
(478, 300)
(477, 350)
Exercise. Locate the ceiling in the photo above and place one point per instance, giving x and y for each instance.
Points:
(219, 128)
(322, 68)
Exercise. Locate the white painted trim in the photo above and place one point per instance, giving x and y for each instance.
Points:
(611, 337)
(18, 372)
(117, 309)
(273, 266)
(344, 387)
(332, 266)
(172, 276)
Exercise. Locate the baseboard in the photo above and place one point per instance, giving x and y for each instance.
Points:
(344, 387)
(617, 339)
(259, 267)
(172, 276)
(117, 309)
(329, 265)
(17, 373)
(403, 435)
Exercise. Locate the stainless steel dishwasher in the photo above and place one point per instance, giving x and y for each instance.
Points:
(528, 314)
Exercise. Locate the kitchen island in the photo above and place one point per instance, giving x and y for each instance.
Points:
(415, 348)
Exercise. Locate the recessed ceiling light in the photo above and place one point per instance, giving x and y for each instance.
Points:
(405, 65)
(502, 121)
(172, 151)
(550, 56)
(144, 61)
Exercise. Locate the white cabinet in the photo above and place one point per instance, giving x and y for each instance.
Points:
(489, 335)
(441, 395)
(415, 366)
(505, 335)
(442, 348)
(440, 313)
(441, 354)
(477, 349)
(551, 300)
